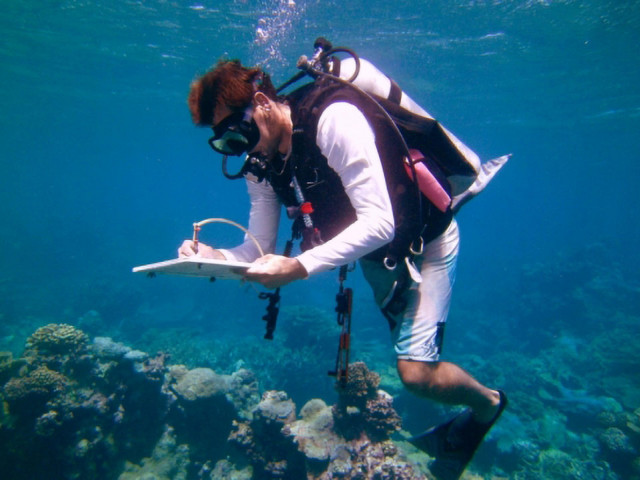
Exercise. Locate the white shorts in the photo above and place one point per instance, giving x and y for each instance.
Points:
(417, 312)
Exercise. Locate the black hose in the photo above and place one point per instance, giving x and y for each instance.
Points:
(350, 52)
(226, 173)
(308, 69)
(323, 59)
(385, 114)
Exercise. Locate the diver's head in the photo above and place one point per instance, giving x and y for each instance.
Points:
(225, 99)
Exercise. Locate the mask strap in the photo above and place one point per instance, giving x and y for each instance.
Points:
(248, 113)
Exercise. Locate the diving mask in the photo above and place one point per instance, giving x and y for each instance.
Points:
(236, 134)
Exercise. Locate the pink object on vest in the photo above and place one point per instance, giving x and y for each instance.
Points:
(427, 183)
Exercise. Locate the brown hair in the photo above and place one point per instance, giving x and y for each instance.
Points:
(228, 83)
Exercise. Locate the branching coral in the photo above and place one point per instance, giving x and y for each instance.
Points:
(41, 383)
(362, 384)
(58, 338)
(362, 407)
(380, 417)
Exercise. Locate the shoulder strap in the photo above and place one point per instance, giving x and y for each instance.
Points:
(405, 196)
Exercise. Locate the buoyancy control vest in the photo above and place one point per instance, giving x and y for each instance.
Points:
(414, 217)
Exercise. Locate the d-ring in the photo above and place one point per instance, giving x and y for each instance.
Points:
(419, 250)
(389, 263)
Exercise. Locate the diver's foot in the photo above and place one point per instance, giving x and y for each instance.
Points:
(454, 443)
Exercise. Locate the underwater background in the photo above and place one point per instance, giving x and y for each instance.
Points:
(101, 170)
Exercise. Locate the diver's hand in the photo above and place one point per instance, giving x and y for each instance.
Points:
(274, 271)
(204, 251)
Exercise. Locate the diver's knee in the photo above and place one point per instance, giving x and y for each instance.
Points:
(418, 376)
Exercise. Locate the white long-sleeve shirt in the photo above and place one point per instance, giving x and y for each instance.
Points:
(347, 141)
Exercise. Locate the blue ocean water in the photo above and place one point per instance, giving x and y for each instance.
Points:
(101, 170)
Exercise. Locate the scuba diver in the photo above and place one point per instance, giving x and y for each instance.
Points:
(342, 167)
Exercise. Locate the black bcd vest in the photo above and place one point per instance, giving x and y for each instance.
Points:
(414, 215)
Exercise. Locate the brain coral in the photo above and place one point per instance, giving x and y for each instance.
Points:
(58, 338)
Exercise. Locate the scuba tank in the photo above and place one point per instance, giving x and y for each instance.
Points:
(430, 142)
(375, 83)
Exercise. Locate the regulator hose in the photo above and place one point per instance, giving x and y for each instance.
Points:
(197, 226)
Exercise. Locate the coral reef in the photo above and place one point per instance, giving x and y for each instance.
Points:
(293, 369)
(58, 338)
(203, 410)
(279, 446)
(32, 391)
(6, 362)
(362, 407)
(104, 410)
(561, 343)
(70, 406)
(168, 461)
(619, 451)
(225, 470)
